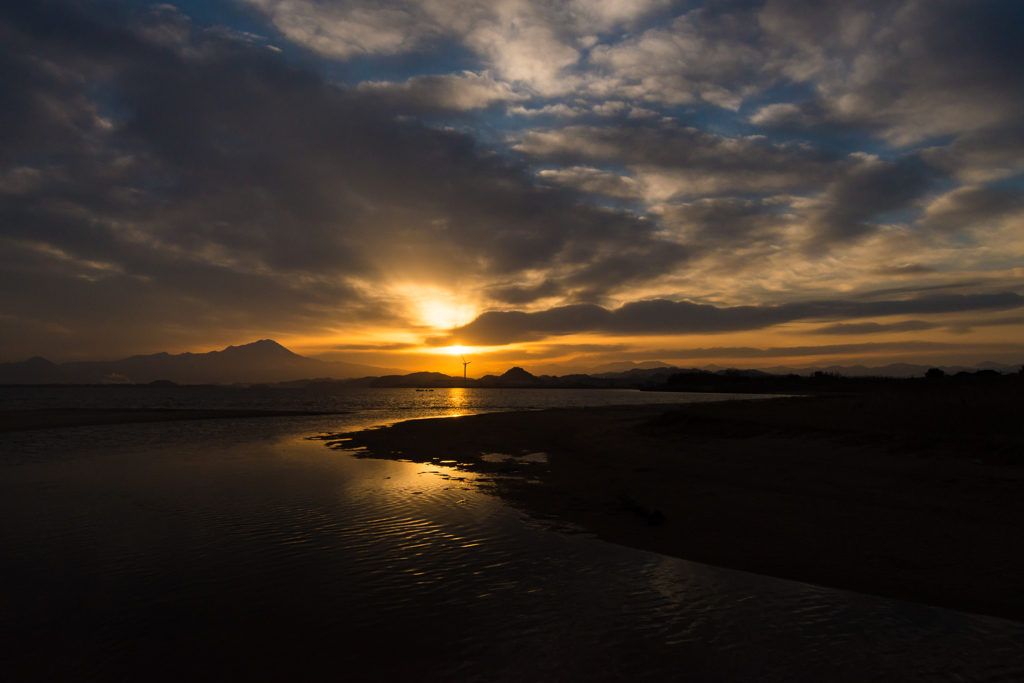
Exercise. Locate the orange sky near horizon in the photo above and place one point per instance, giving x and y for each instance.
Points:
(793, 344)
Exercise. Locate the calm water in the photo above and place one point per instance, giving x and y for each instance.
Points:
(390, 403)
(240, 550)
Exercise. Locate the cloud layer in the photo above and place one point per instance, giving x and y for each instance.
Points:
(622, 167)
(661, 317)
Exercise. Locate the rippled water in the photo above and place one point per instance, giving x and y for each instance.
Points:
(240, 550)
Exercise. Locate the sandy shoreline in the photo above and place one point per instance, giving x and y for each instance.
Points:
(26, 420)
(762, 486)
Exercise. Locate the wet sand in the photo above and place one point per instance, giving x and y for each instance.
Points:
(790, 488)
(26, 420)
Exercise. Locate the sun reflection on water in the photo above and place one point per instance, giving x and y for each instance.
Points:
(457, 398)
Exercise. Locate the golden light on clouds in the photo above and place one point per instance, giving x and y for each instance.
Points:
(444, 315)
(434, 307)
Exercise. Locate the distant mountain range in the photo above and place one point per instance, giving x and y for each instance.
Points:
(514, 378)
(263, 361)
(267, 362)
(892, 370)
(635, 378)
(654, 368)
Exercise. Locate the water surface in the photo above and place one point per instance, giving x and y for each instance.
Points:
(238, 549)
(389, 403)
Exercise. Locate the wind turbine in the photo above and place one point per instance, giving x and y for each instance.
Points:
(464, 364)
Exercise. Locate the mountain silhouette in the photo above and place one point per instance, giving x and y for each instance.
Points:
(261, 361)
(514, 377)
(517, 374)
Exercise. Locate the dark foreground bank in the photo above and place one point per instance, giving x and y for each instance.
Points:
(26, 420)
(837, 491)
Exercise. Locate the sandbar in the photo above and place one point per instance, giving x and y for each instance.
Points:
(825, 490)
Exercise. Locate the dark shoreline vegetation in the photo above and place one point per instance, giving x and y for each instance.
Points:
(739, 381)
(912, 492)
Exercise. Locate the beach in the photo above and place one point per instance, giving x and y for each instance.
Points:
(825, 490)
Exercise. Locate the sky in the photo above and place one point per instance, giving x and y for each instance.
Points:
(402, 182)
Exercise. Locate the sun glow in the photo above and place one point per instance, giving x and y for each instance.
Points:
(434, 307)
(455, 350)
(441, 310)
(444, 315)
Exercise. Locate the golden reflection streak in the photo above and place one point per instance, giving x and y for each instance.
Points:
(457, 398)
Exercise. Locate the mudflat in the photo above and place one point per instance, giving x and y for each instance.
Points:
(25, 420)
(882, 495)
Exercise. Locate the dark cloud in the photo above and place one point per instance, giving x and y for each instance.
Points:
(906, 269)
(875, 328)
(968, 326)
(700, 163)
(908, 70)
(972, 207)
(724, 220)
(983, 155)
(375, 347)
(230, 183)
(869, 189)
(595, 181)
(452, 92)
(551, 351)
(661, 317)
(633, 264)
(522, 294)
(829, 350)
(948, 287)
(851, 193)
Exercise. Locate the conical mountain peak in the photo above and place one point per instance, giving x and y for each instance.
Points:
(517, 373)
(263, 347)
